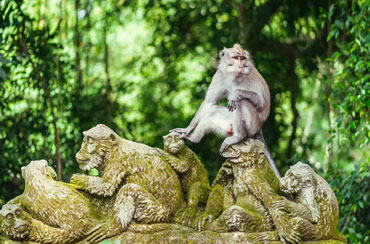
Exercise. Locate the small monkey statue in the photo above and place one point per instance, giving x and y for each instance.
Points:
(192, 174)
(248, 103)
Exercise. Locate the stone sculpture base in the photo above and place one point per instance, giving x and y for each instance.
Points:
(177, 234)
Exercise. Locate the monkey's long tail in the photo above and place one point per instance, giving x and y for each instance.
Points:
(271, 161)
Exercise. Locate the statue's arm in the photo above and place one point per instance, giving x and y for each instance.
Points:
(264, 191)
(296, 209)
(101, 186)
(179, 165)
(42, 233)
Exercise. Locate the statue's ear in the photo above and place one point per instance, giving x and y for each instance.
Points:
(112, 137)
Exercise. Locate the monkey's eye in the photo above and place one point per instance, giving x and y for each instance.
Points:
(9, 216)
(177, 138)
(18, 212)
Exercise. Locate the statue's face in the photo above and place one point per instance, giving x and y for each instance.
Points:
(38, 168)
(290, 183)
(173, 144)
(15, 221)
(91, 154)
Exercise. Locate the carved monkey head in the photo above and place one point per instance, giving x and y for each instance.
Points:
(235, 60)
(15, 222)
(249, 151)
(297, 177)
(96, 145)
(173, 144)
(38, 168)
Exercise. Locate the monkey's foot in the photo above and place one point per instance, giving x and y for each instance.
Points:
(203, 221)
(185, 217)
(229, 141)
(179, 130)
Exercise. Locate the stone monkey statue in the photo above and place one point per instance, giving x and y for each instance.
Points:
(248, 103)
(192, 174)
(311, 203)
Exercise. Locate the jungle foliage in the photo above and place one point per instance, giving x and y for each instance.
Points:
(142, 67)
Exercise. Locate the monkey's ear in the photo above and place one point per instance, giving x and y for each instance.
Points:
(221, 53)
(112, 137)
(247, 55)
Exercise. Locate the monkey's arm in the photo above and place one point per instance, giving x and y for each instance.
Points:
(260, 187)
(179, 165)
(240, 94)
(296, 210)
(100, 186)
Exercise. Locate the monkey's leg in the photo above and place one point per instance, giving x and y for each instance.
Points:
(217, 119)
(241, 123)
(236, 218)
(42, 233)
(134, 202)
(213, 209)
(198, 192)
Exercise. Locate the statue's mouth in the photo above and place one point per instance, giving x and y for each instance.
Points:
(81, 160)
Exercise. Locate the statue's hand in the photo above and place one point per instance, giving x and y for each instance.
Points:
(287, 230)
(282, 205)
(202, 222)
(185, 217)
(79, 180)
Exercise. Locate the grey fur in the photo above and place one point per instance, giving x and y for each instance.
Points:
(248, 108)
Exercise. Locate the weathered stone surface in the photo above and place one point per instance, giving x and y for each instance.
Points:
(185, 236)
(136, 191)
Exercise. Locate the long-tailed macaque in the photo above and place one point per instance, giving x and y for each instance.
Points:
(248, 103)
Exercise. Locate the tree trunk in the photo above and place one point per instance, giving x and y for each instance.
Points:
(77, 46)
(293, 100)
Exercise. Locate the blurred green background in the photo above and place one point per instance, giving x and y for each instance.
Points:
(143, 67)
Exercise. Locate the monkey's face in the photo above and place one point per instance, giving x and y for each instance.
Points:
(235, 60)
(15, 221)
(38, 168)
(173, 144)
(92, 153)
(290, 183)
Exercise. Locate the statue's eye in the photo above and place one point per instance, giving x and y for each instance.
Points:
(18, 212)
(177, 138)
(9, 216)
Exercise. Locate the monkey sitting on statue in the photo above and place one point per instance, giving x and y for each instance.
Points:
(248, 103)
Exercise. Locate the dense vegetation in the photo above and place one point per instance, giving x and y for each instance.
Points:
(142, 68)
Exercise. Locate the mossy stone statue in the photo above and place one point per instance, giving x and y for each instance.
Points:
(192, 174)
(132, 193)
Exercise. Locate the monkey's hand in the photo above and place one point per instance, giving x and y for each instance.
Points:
(79, 180)
(231, 105)
(282, 205)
